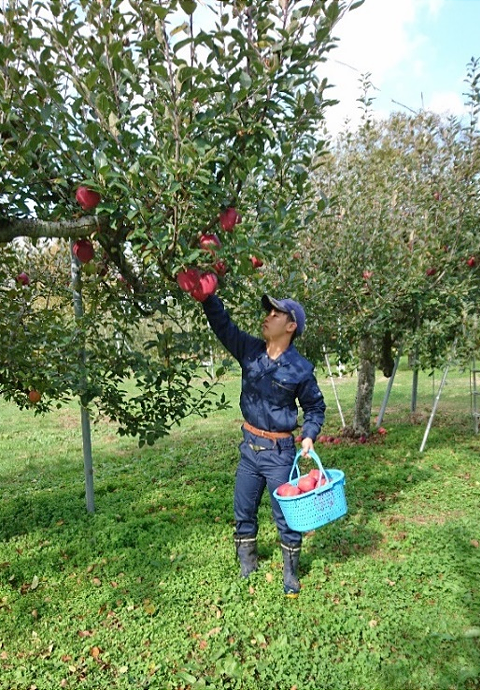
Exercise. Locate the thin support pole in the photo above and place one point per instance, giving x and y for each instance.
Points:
(474, 392)
(434, 408)
(327, 361)
(413, 402)
(389, 389)
(85, 417)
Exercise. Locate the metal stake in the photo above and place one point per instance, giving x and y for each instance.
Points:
(333, 386)
(389, 388)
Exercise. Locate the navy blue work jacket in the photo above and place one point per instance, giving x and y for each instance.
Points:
(270, 388)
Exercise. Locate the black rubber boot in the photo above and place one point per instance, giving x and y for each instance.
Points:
(247, 554)
(291, 556)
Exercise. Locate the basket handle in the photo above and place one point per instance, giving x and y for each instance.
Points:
(295, 467)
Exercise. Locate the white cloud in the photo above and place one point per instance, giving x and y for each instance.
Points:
(448, 102)
(380, 38)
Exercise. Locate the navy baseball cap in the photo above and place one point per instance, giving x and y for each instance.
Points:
(289, 306)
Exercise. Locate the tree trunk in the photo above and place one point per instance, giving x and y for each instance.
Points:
(365, 387)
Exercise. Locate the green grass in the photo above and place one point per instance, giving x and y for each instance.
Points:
(145, 592)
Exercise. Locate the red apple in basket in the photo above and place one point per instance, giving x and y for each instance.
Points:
(306, 483)
(316, 475)
(288, 489)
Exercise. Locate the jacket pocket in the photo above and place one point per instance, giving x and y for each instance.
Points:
(283, 391)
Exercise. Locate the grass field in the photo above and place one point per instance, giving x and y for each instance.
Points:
(145, 593)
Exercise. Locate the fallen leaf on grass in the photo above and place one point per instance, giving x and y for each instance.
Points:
(213, 631)
(474, 543)
(149, 607)
(474, 631)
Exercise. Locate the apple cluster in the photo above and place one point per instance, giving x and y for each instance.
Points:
(201, 284)
(307, 482)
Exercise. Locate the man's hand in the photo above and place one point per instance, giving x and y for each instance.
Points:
(307, 445)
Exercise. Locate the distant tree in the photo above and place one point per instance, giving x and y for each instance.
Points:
(395, 261)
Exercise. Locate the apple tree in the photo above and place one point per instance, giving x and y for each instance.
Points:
(395, 261)
(142, 127)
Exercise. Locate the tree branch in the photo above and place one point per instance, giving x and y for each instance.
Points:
(11, 228)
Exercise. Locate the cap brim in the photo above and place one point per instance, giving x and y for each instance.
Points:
(268, 303)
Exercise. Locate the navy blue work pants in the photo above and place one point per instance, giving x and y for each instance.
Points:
(263, 463)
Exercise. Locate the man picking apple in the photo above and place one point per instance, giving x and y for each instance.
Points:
(274, 377)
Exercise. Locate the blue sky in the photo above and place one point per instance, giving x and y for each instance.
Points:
(415, 50)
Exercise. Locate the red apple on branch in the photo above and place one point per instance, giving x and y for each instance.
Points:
(87, 198)
(188, 280)
(84, 251)
(34, 396)
(23, 278)
(209, 242)
(207, 285)
(220, 267)
(256, 262)
(229, 218)
(124, 282)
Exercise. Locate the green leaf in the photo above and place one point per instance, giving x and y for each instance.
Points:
(309, 101)
(101, 161)
(245, 80)
(178, 29)
(188, 6)
(354, 6)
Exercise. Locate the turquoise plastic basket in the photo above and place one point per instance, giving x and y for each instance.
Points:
(314, 508)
